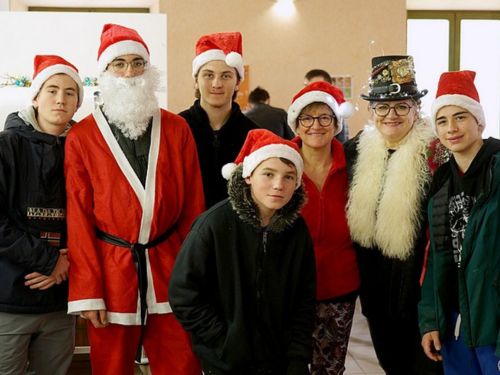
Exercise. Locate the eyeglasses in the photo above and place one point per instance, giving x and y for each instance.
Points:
(120, 66)
(323, 120)
(401, 109)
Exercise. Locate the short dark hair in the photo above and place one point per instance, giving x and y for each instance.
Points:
(258, 95)
(318, 73)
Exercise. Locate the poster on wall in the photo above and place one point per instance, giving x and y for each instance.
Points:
(74, 36)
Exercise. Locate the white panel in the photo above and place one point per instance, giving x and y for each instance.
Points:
(74, 36)
(479, 51)
(453, 5)
(428, 43)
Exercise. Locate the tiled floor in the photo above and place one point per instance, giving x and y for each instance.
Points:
(361, 358)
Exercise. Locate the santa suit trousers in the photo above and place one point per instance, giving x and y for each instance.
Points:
(167, 346)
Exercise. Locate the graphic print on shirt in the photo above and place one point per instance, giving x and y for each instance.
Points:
(459, 207)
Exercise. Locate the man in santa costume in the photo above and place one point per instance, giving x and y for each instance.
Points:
(218, 125)
(134, 188)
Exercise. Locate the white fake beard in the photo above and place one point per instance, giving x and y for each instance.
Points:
(129, 103)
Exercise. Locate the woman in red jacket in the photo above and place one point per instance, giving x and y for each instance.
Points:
(316, 115)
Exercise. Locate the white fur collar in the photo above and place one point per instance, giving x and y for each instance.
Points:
(386, 193)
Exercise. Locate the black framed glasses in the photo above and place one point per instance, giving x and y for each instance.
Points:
(323, 120)
(121, 66)
(383, 109)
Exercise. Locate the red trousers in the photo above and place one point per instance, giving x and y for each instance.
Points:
(167, 346)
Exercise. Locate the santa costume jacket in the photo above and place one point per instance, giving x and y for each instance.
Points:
(324, 212)
(216, 148)
(105, 193)
(247, 293)
(33, 214)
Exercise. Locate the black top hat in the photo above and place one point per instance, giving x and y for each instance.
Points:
(393, 78)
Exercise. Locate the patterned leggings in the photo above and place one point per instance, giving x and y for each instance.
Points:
(331, 336)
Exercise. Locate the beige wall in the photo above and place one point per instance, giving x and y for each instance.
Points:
(331, 34)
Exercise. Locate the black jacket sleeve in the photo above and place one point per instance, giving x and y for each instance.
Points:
(188, 294)
(303, 316)
(16, 244)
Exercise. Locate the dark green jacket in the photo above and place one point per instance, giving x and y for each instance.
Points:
(478, 278)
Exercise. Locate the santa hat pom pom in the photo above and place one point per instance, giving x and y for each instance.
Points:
(228, 169)
(346, 110)
(234, 59)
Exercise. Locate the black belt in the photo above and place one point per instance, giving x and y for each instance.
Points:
(138, 251)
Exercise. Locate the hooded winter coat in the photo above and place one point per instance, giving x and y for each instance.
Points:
(32, 214)
(247, 293)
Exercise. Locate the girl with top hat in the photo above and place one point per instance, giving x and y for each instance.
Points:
(389, 176)
(316, 115)
(34, 325)
(244, 281)
(460, 302)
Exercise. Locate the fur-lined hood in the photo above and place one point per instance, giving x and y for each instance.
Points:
(241, 200)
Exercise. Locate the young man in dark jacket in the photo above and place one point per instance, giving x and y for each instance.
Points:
(34, 325)
(460, 306)
(219, 127)
(244, 281)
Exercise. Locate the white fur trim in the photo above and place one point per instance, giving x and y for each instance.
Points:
(275, 150)
(76, 307)
(125, 47)
(386, 193)
(228, 169)
(462, 101)
(48, 72)
(316, 96)
(218, 54)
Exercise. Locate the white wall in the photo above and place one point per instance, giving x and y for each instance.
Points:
(74, 36)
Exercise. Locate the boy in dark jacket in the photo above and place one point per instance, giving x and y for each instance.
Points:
(34, 325)
(460, 306)
(244, 281)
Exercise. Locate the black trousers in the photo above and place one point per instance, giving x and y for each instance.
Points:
(397, 343)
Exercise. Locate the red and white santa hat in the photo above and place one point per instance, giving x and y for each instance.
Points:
(457, 88)
(45, 66)
(220, 46)
(260, 145)
(322, 92)
(117, 40)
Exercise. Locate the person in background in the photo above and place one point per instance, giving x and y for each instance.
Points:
(34, 325)
(134, 188)
(320, 75)
(216, 121)
(460, 306)
(244, 281)
(316, 115)
(389, 179)
(267, 117)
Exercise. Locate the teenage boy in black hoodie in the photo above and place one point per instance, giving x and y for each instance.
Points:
(34, 325)
(244, 281)
(460, 303)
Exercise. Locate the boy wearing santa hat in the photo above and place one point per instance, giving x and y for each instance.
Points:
(34, 325)
(460, 302)
(134, 188)
(244, 281)
(218, 125)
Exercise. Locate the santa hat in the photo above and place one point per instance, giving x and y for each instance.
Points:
(322, 92)
(45, 66)
(260, 145)
(220, 46)
(457, 88)
(117, 40)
